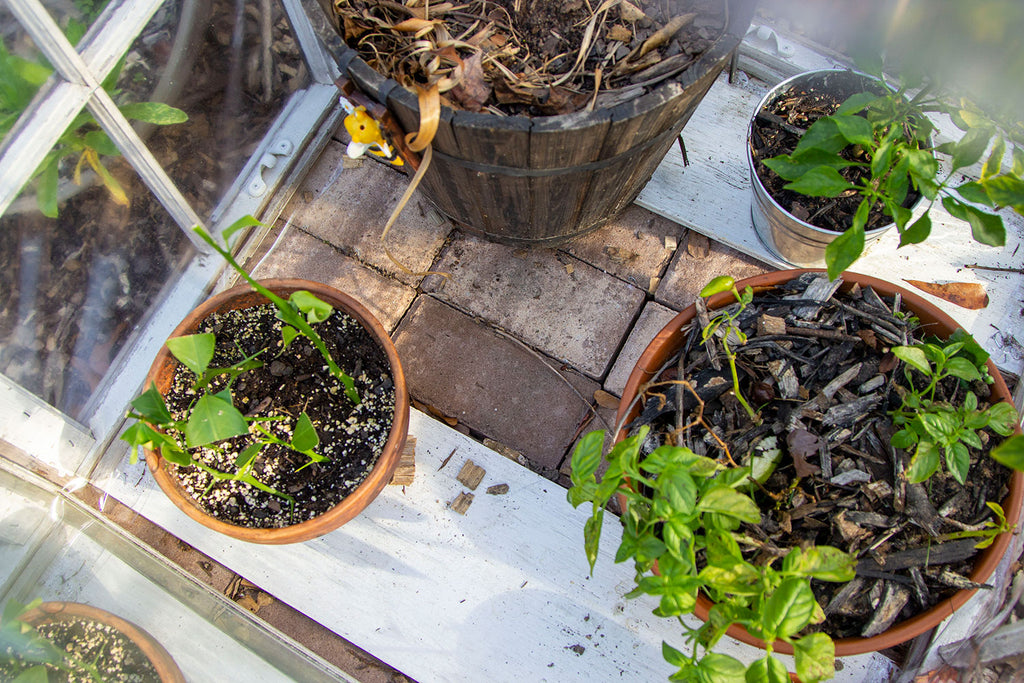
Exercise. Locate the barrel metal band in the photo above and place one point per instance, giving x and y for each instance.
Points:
(516, 171)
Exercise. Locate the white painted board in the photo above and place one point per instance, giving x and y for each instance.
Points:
(502, 593)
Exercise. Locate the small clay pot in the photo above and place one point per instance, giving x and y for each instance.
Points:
(162, 373)
(933, 319)
(50, 612)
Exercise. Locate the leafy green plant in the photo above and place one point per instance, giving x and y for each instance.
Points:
(21, 78)
(682, 530)
(724, 319)
(212, 418)
(938, 430)
(890, 130)
(23, 647)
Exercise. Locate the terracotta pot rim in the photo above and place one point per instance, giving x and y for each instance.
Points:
(243, 296)
(156, 653)
(931, 316)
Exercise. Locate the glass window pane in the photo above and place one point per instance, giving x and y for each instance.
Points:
(243, 66)
(76, 287)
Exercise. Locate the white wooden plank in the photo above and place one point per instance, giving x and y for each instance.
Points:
(712, 196)
(501, 593)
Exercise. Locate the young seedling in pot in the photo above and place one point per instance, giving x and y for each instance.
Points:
(725, 319)
(213, 419)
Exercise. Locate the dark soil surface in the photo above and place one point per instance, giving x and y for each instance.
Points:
(824, 383)
(296, 380)
(777, 130)
(116, 657)
(551, 52)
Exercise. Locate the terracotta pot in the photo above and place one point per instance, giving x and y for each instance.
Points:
(162, 372)
(935, 321)
(50, 612)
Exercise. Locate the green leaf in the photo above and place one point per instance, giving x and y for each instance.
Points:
(1004, 190)
(1002, 418)
(592, 536)
(101, 142)
(141, 434)
(971, 146)
(587, 457)
(246, 457)
(847, 248)
(722, 283)
(305, 437)
(855, 103)
(814, 656)
(316, 310)
(822, 562)
(726, 501)
(923, 165)
(673, 656)
(767, 670)
(732, 575)
(856, 129)
(46, 192)
(958, 461)
(995, 160)
(924, 462)
(1010, 453)
(194, 351)
(975, 193)
(288, 335)
(986, 228)
(823, 134)
(718, 668)
(213, 419)
(918, 231)
(913, 356)
(153, 112)
(789, 609)
(938, 425)
(823, 181)
(150, 404)
(793, 167)
(241, 224)
(962, 368)
(904, 439)
(881, 159)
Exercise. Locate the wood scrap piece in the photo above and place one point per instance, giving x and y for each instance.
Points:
(498, 489)
(892, 603)
(462, 502)
(818, 289)
(969, 295)
(406, 469)
(785, 377)
(471, 475)
(770, 324)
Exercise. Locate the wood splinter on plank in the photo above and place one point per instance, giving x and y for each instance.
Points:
(406, 469)
(471, 475)
(462, 502)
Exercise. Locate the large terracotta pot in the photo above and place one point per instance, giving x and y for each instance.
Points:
(50, 612)
(935, 321)
(162, 372)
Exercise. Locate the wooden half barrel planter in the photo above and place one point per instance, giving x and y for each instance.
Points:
(546, 180)
(241, 297)
(671, 338)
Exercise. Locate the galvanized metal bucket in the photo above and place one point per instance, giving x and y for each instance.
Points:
(791, 239)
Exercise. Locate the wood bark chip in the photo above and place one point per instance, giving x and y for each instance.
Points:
(461, 503)
(892, 603)
(970, 295)
(406, 469)
(471, 475)
(697, 245)
(497, 489)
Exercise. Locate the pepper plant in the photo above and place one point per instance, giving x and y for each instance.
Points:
(212, 419)
(887, 132)
(682, 531)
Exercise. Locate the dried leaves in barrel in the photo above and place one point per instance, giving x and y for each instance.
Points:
(532, 57)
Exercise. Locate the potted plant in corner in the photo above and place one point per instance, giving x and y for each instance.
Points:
(836, 158)
(793, 468)
(78, 642)
(275, 412)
